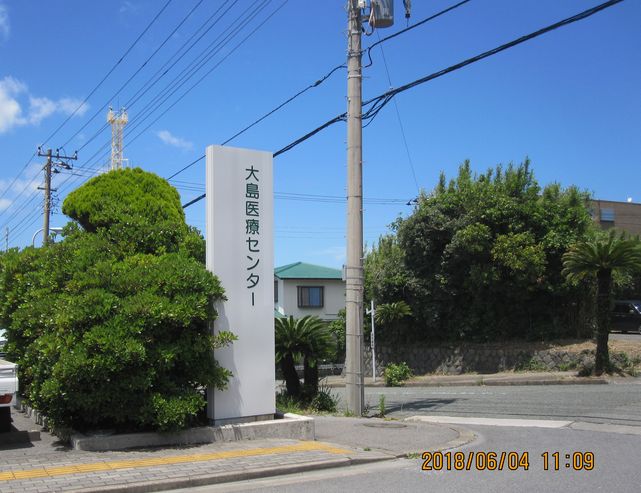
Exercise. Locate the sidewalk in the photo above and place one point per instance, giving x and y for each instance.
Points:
(46, 465)
(468, 379)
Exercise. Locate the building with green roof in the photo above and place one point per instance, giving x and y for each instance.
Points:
(302, 289)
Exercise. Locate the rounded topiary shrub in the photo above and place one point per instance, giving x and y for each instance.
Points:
(111, 330)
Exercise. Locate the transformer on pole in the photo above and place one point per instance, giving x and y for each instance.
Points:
(118, 120)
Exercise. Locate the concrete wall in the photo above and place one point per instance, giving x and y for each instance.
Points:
(334, 297)
(480, 358)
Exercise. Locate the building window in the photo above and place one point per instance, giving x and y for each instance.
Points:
(275, 291)
(310, 296)
(607, 214)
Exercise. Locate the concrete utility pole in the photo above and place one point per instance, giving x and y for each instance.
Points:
(47, 189)
(354, 268)
(6, 239)
(50, 167)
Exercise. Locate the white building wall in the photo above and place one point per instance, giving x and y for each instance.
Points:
(334, 297)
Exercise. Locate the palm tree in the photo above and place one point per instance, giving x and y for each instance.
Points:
(600, 257)
(388, 315)
(307, 338)
(320, 345)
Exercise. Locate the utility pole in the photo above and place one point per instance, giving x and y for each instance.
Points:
(354, 268)
(47, 189)
(6, 239)
(49, 168)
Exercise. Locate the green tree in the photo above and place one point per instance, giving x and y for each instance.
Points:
(289, 346)
(308, 339)
(320, 345)
(388, 315)
(123, 196)
(601, 257)
(387, 279)
(112, 329)
(338, 329)
(480, 258)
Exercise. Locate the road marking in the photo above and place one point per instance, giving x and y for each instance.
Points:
(529, 423)
(43, 472)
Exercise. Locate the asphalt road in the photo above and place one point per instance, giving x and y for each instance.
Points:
(616, 460)
(616, 403)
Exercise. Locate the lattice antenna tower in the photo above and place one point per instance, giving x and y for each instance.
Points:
(118, 120)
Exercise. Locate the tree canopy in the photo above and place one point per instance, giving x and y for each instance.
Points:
(111, 328)
(127, 195)
(480, 258)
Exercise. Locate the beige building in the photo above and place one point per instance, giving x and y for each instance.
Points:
(305, 289)
(624, 216)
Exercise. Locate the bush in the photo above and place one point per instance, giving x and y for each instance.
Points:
(110, 331)
(123, 196)
(395, 374)
(324, 402)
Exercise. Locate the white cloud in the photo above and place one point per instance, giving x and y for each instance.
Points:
(4, 203)
(69, 105)
(11, 109)
(5, 27)
(40, 108)
(169, 139)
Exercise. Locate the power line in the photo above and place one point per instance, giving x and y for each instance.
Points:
(4, 192)
(137, 71)
(413, 26)
(400, 122)
(320, 81)
(379, 102)
(206, 74)
(192, 68)
(131, 47)
(146, 87)
(315, 84)
(196, 65)
(238, 45)
(286, 102)
(165, 68)
(228, 54)
(91, 93)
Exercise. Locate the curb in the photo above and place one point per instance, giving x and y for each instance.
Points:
(488, 383)
(225, 477)
(286, 426)
(464, 437)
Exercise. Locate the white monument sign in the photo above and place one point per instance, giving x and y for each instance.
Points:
(240, 251)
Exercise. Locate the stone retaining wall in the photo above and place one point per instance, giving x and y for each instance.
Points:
(482, 358)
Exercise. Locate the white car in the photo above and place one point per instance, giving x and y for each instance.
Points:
(8, 387)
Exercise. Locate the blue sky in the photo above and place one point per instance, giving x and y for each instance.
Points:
(570, 100)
